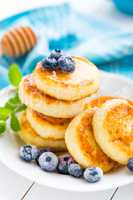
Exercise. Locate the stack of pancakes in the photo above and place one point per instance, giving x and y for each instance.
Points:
(53, 98)
(96, 132)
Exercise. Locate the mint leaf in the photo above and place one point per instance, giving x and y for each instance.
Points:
(2, 126)
(4, 113)
(14, 123)
(14, 75)
(13, 102)
(20, 108)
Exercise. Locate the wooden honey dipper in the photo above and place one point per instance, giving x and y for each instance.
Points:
(18, 41)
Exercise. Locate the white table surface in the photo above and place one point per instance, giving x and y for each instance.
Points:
(15, 187)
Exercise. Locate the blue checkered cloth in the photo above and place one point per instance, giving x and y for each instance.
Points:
(63, 27)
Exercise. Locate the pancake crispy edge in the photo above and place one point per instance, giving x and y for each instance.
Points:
(81, 143)
(113, 129)
(42, 103)
(99, 101)
(47, 127)
(29, 136)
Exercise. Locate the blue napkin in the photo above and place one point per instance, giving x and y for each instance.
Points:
(63, 27)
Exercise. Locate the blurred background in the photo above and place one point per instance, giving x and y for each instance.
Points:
(101, 30)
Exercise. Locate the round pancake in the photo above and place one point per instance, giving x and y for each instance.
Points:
(80, 83)
(42, 103)
(113, 129)
(98, 102)
(81, 143)
(29, 136)
(47, 127)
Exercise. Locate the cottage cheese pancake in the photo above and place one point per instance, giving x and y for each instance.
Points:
(82, 82)
(29, 136)
(42, 103)
(113, 129)
(98, 102)
(81, 143)
(47, 127)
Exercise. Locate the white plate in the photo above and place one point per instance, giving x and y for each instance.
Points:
(9, 147)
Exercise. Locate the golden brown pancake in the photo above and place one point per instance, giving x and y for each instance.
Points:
(113, 129)
(82, 145)
(47, 127)
(29, 136)
(99, 101)
(80, 83)
(42, 103)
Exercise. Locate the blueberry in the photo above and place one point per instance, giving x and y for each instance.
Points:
(93, 174)
(48, 161)
(49, 63)
(64, 162)
(66, 64)
(57, 53)
(130, 164)
(28, 153)
(75, 170)
(40, 152)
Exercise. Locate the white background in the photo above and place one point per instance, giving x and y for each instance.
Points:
(14, 187)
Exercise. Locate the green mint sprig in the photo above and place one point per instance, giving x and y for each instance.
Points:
(13, 105)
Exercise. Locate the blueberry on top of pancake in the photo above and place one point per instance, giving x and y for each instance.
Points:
(58, 61)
